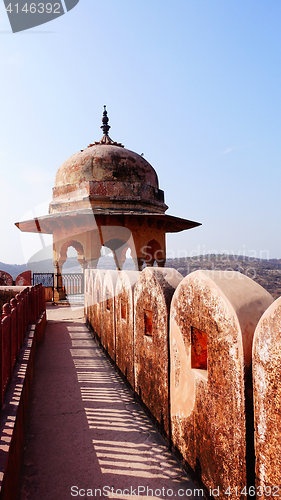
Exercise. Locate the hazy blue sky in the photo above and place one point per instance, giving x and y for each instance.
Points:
(192, 84)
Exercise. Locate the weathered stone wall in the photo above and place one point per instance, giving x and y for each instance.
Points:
(152, 297)
(213, 318)
(108, 313)
(5, 279)
(267, 401)
(194, 373)
(124, 323)
(89, 277)
(97, 321)
(91, 304)
(24, 279)
(87, 294)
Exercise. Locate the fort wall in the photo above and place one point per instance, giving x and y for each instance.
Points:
(190, 360)
(267, 400)
(213, 319)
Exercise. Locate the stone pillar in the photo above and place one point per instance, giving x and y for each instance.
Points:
(93, 263)
(139, 263)
(119, 256)
(59, 293)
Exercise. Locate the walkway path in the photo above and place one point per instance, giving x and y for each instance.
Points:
(85, 430)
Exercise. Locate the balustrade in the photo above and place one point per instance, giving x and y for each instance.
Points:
(24, 309)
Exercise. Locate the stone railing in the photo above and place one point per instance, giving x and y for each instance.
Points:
(187, 347)
(24, 308)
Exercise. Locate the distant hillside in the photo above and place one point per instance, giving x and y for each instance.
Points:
(265, 272)
(13, 269)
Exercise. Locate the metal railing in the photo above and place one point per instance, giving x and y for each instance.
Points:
(73, 283)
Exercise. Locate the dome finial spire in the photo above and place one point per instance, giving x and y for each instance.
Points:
(105, 127)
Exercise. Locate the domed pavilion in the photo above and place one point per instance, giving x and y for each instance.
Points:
(106, 195)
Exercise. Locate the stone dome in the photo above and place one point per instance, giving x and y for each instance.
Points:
(106, 163)
(109, 177)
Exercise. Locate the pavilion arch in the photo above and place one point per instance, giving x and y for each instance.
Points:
(79, 249)
(119, 249)
(154, 252)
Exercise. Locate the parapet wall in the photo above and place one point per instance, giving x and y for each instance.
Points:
(152, 298)
(185, 346)
(21, 326)
(9, 292)
(24, 307)
(124, 324)
(267, 401)
(213, 319)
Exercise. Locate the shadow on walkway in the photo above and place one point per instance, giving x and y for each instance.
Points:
(86, 436)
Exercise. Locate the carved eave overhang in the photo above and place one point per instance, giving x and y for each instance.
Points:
(47, 223)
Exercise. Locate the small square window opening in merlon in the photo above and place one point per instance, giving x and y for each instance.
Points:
(148, 322)
(123, 307)
(198, 349)
(108, 301)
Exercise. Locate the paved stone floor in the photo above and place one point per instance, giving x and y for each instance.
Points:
(86, 436)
